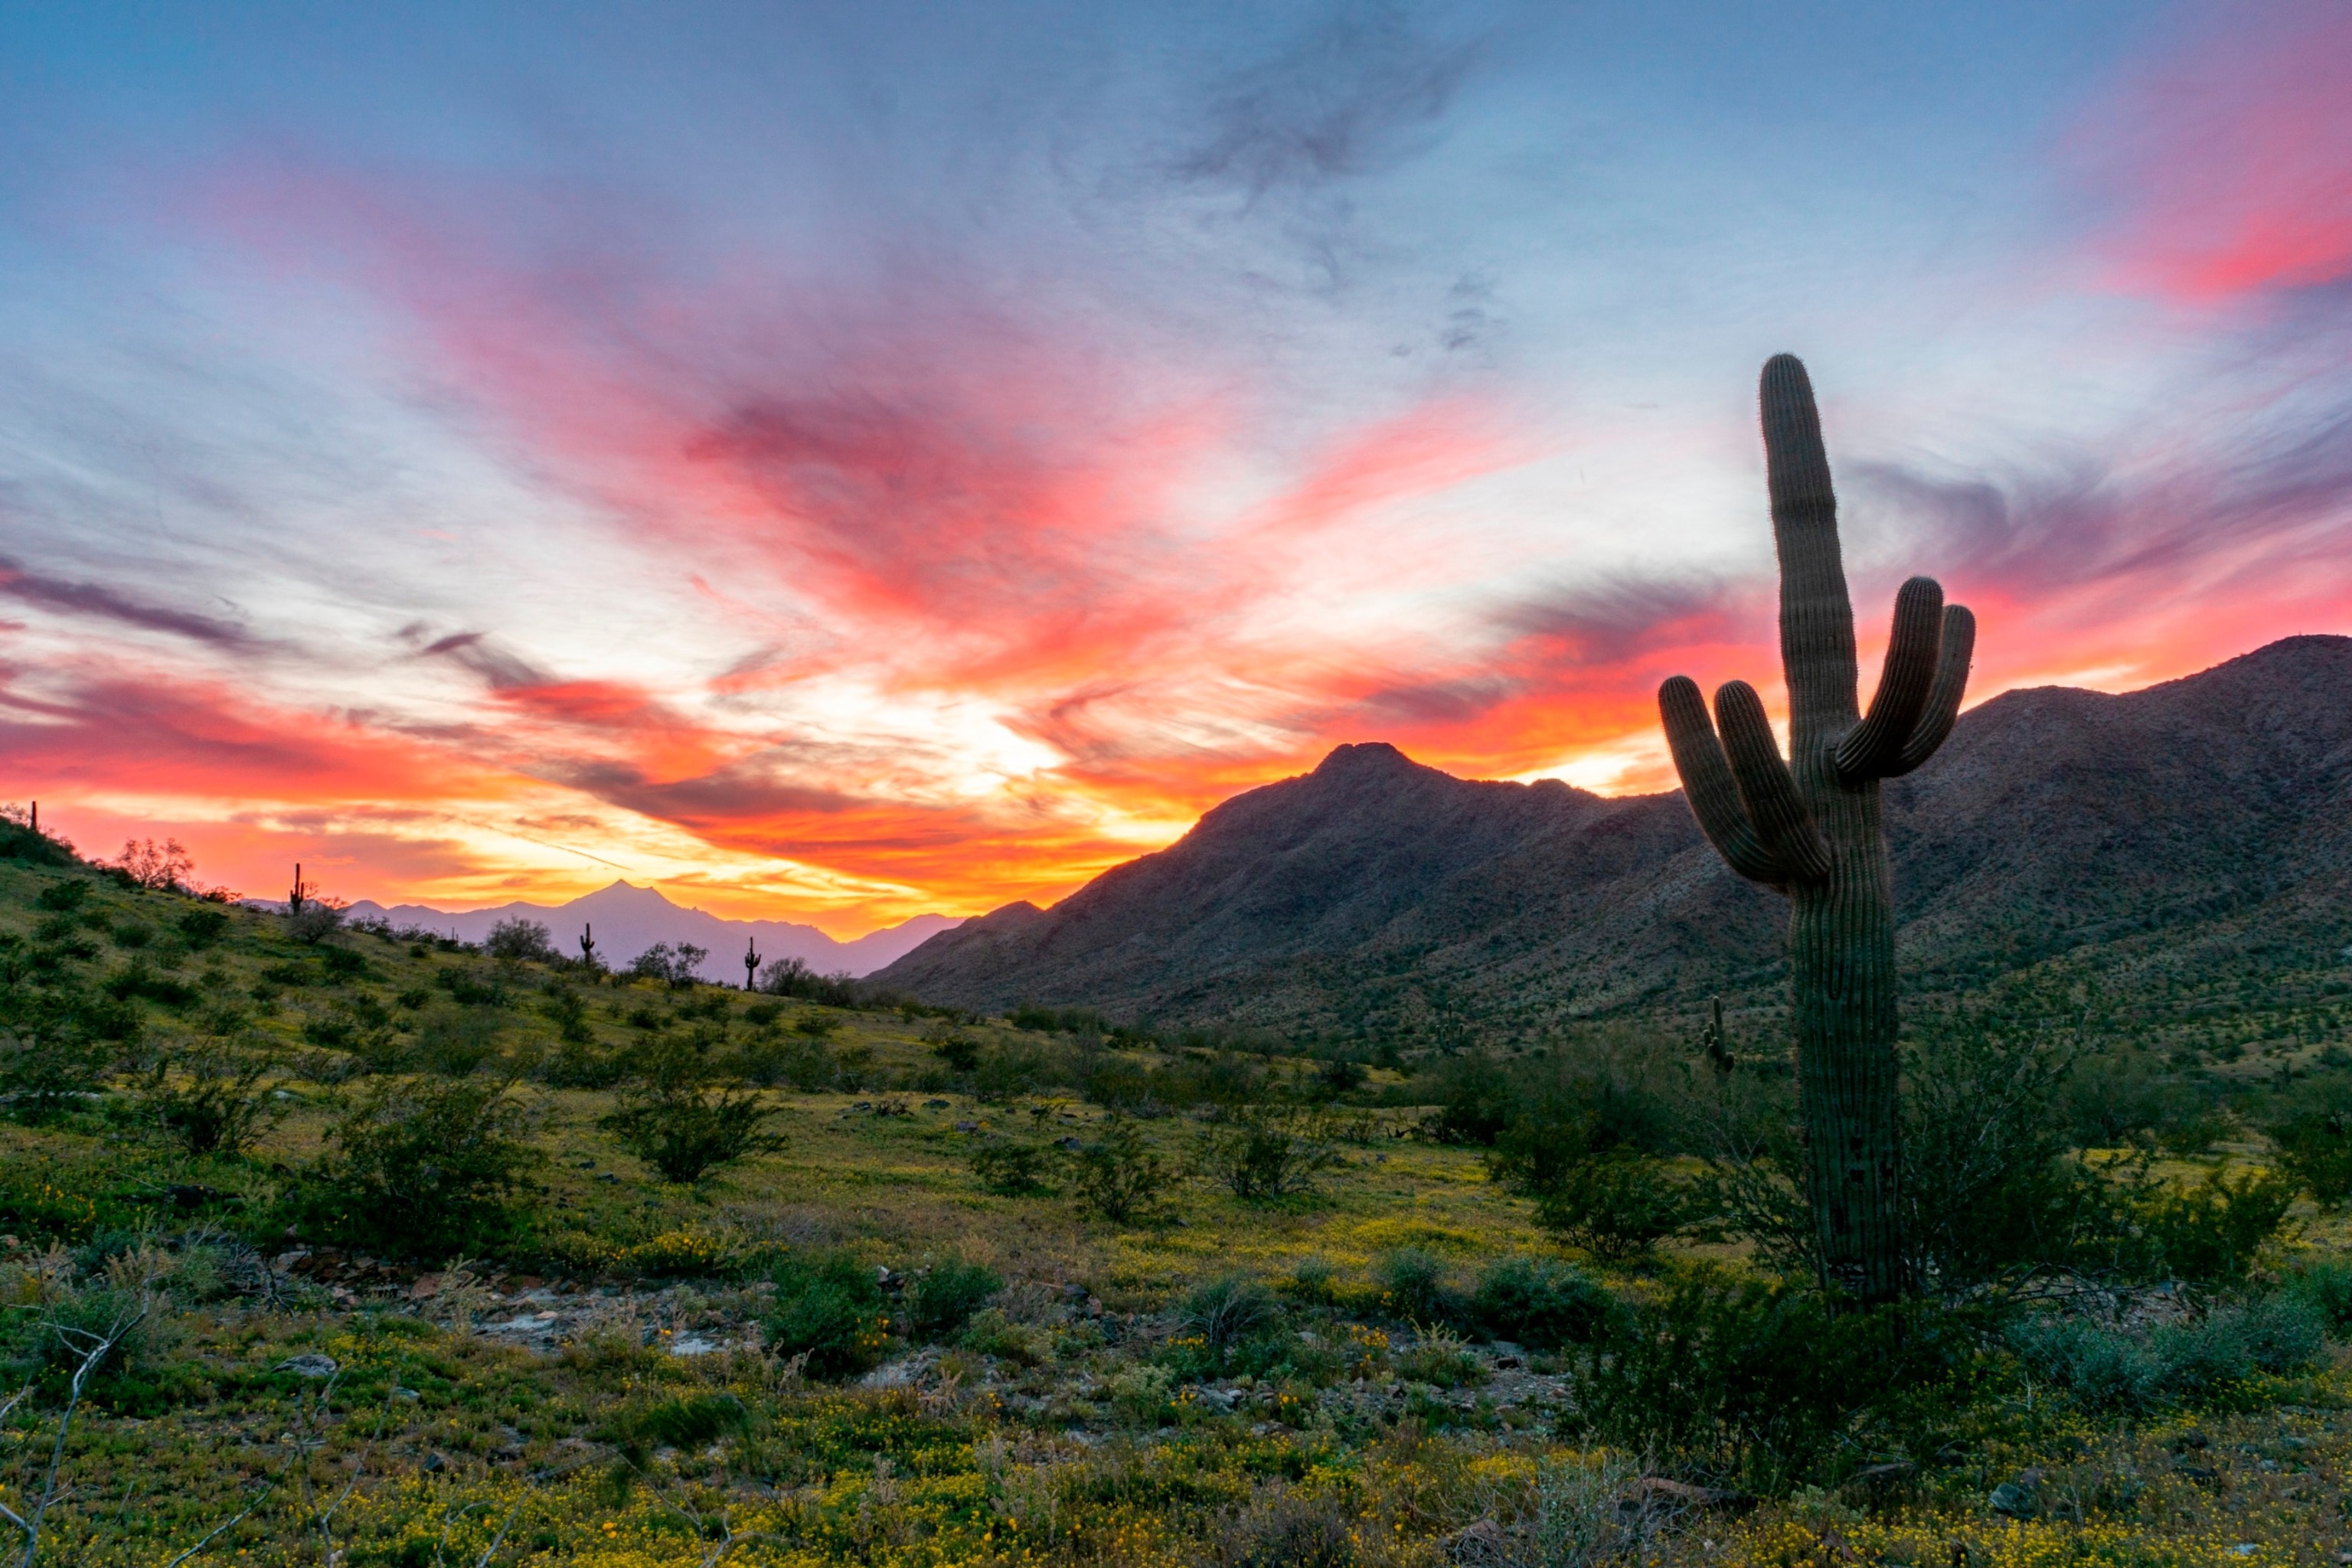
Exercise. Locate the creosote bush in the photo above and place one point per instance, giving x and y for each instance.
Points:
(1010, 1168)
(424, 1167)
(1263, 1152)
(2112, 1370)
(1118, 1175)
(212, 1099)
(828, 1309)
(945, 1296)
(675, 1119)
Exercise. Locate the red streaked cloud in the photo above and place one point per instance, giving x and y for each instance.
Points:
(859, 594)
(2230, 155)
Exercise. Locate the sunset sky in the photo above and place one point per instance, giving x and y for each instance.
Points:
(839, 461)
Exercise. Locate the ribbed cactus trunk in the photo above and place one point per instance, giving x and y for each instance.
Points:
(1810, 826)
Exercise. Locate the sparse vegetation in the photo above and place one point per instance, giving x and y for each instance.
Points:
(401, 1218)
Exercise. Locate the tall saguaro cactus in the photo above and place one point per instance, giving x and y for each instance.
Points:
(1810, 826)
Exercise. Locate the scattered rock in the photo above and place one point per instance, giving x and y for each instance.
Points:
(1873, 1478)
(313, 1364)
(967, 1126)
(1480, 1541)
(1664, 1491)
(935, 1105)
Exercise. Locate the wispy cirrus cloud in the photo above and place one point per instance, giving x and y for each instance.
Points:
(98, 601)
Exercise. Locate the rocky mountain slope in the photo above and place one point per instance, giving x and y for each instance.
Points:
(2185, 832)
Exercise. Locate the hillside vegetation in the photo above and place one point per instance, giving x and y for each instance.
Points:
(322, 1245)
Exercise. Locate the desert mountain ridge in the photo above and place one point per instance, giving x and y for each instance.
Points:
(2195, 823)
(629, 918)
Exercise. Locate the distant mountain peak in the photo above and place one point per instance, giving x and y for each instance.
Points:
(1380, 896)
(1365, 757)
(628, 918)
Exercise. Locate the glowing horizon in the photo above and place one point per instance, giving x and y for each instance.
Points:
(835, 469)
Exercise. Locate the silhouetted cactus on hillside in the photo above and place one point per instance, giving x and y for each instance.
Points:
(1810, 826)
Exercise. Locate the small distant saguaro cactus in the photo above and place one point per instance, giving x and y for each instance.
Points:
(751, 962)
(1810, 827)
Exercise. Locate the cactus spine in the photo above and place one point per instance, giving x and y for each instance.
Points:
(1810, 826)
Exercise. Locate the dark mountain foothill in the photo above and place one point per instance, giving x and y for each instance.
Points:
(2166, 842)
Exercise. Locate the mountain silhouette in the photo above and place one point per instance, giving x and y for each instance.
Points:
(2179, 831)
(629, 918)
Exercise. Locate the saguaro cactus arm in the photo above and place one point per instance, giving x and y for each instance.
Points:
(1770, 794)
(1943, 705)
(1873, 748)
(1713, 793)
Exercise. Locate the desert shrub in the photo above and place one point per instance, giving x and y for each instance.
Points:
(19, 842)
(1413, 1286)
(455, 1043)
(947, 1294)
(47, 1343)
(139, 978)
(2315, 1149)
(1584, 1136)
(63, 897)
(1474, 1096)
(1339, 1076)
(517, 941)
(202, 928)
(1763, 1384)
(991, 1332)
(805, 1064)
(2211, 1231)
(675, 1120)
(960, 1052)
(44, 1071)
(1225, 1311)
(1313, 1283)
(1264, 1151)
(578, 1065)
(2324, 1284)
(829, 1309)
(1615, 1206)
(794, 977)
(211, 1100)
(1118, 1174)
(1440, 1357)
(676, 967)
(688, 1423)
(423, 1166)
(1008, 1072)
(1991, 1182)
(1009, 1168)
(343, 964)
(1541, 1303)
(569, 1014)
(2108, 1369)
(314, 922)
(2119, 1098)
